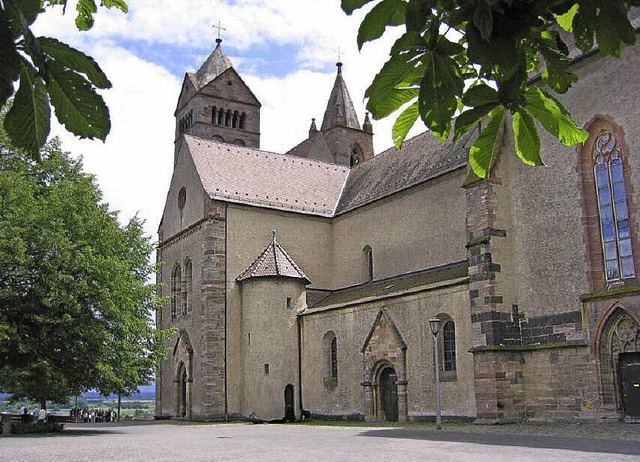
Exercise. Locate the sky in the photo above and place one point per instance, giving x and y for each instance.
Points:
(284, 50)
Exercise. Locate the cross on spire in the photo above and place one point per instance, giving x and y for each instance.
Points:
(220, 29)
(339, 51)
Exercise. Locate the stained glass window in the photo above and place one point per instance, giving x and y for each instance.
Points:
(612, 206)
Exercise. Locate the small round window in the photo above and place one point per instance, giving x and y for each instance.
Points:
(182, 198)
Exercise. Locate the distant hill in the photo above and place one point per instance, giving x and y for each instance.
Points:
(144, 393)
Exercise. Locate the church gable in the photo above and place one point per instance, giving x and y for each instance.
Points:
(230, 85)
(187, 92)
(315, 147)
(384, 339)
(183, 204)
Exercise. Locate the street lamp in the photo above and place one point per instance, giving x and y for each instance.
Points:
(434, 325)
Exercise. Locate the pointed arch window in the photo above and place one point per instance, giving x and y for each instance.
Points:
(613, 209)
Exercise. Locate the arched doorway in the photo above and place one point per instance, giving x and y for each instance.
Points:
(289, 409)
(181, 391)
(620, 363)
(388, 392)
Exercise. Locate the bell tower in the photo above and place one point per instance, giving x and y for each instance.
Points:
(215, 103)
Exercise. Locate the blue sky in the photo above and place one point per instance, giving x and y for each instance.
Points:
(284, 50)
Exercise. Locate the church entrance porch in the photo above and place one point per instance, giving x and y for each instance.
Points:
(619, 351)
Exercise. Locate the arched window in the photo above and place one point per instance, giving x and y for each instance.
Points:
(449, 346)
(176, 291)
(188, 283)
(243, 119)
(612, 207)
(367, 255)
(227, 118)
(214, 115)
(330, 347)
(234, 120)
(220, 116)
(182, 200)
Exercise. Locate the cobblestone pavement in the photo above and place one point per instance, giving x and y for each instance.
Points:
(184, 441)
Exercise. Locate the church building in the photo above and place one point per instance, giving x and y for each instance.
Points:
(303, 282)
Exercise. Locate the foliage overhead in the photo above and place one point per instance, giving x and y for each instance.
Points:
(49, 72)
(461, 62)
(75, 304)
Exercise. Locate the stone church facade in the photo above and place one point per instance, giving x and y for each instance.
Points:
(304, 281)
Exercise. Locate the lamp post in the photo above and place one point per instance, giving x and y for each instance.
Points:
(434, 325)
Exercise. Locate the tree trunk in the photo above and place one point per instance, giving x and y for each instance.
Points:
(119, 402)
(43, 404)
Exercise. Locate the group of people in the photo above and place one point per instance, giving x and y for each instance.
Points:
(93, 415)
(39, 415)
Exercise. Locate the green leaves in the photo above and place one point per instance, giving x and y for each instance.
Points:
(439, 92)
(349, 6)
(386, 13)
(49, 72)
(28, 120)
(526, 138)
(77, 106)
(494, 49)
(553, 117)
(74, 300)
(483, 151)
(87, 8)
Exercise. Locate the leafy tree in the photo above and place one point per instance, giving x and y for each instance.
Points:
(75, 305)
(472, 59)
(49, 72)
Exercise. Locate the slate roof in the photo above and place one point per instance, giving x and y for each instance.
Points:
(390, 287)
(273, 262)
(340, 110)
(246, 175)
(215, 64)
(421, 158)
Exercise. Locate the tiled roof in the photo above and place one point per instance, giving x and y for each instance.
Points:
(421, 158)
(273, 262)
(248, 175)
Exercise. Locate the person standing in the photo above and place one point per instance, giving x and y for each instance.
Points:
(42, 416)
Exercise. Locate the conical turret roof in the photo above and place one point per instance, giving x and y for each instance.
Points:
(340, 110)
(273, 262)
(216, 64)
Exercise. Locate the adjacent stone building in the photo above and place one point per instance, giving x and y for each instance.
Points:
(304, 282)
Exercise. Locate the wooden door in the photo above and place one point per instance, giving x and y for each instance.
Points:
(629, 375)
(389, 394)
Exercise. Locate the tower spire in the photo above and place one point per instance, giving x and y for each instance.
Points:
(340, 110)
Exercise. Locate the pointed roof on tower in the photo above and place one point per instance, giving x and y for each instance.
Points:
(216, 64)
(273, 262)
(340, 110)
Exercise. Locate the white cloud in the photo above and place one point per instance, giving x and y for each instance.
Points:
(133, 167)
